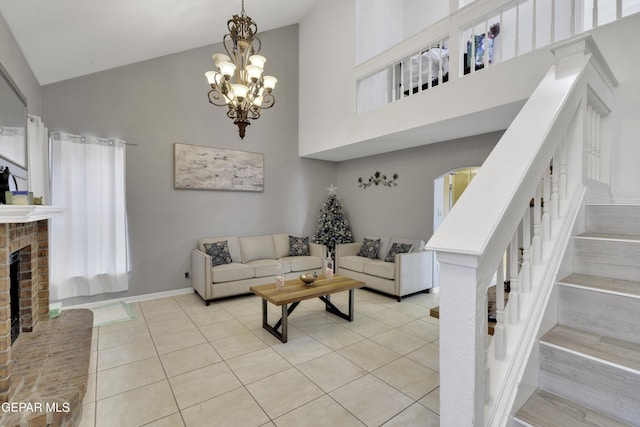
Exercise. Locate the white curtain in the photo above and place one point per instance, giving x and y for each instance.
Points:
(38, 146)
(88, 246)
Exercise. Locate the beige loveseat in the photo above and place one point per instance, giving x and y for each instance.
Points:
(400, 275)
(250, 260)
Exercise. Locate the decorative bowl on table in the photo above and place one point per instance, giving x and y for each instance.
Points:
(308, 279)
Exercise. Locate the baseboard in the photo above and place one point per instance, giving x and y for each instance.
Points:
(134, 299)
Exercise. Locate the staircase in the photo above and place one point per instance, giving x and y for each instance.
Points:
(589, 364)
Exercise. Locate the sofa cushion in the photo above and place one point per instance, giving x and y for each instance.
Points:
(397, 248)
(231, 272)
(267, 267)
(369, 248)
(303, 263)
(353, 263)
(219, 253)
(418, 245)
(257, 247)
(378, 268)
(298, 246)
(385, 244)
(233, 244)
(281, 243)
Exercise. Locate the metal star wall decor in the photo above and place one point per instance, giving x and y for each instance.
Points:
(378, 179)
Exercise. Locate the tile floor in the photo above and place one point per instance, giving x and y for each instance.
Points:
(181, 363)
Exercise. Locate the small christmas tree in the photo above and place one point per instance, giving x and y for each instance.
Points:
(333, 226)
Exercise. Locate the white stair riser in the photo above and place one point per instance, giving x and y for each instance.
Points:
(590, 382)
(620, 219)
(607, 258)
(615, 316)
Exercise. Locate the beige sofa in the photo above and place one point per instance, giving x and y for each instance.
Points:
(407, 274)
(252, 261)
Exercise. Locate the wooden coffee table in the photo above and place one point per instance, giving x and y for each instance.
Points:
(295, 291)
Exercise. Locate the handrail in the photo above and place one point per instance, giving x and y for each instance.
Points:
(538, 158)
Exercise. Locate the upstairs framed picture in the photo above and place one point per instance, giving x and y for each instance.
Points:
(206, 168)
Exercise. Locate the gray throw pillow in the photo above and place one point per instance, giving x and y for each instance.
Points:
(369, 248)
(397, 248)
(298, 246)
(219, 252)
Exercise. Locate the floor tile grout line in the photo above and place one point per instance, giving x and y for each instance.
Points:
(270, 346)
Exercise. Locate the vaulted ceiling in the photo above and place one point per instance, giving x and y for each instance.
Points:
(63, 39)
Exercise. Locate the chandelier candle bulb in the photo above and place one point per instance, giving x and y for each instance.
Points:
(227, 69)
(269, 82)
(254, 72)
(257, 60)
(220, 57)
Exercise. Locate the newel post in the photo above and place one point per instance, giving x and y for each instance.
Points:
(463, 331)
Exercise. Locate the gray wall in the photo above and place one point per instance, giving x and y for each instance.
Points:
(407, 209)
(159, 102)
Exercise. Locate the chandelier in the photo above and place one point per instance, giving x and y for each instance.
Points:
(238, 82)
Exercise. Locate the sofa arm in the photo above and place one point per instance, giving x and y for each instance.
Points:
(201, 273)
(316, 249)
(414, 272)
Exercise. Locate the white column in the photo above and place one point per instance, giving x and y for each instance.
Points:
(463, 328)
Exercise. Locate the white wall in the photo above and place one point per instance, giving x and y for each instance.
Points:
(326, 90)
(379, 25)
(420, 14)
(613, 41)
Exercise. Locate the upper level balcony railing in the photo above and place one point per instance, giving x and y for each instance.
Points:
(464, 43)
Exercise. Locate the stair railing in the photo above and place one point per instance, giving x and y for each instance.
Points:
(525, 198)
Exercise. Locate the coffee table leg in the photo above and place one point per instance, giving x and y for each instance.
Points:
(285, 315)
(282, 323)
(351, 304)
(264, 314)
(333, 309)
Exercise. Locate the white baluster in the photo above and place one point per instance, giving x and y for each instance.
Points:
(525, 270)
(563, 169)
(546, 206)
(499, 332)
(555, 187)
(514, 297)
(596, 147)
(589, 164)
(487, 369)
(536, 244)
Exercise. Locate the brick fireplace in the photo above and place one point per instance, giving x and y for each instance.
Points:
(29, 241)
(44, 373)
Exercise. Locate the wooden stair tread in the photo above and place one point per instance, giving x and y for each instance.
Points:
(603, 284)
(550, 410)
(623, 354)
(608, 236)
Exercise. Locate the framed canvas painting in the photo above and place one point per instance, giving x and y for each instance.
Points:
(207, 168)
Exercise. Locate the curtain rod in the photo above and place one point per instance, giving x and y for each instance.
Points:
(84, 139)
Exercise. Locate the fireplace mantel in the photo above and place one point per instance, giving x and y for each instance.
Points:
(27, 213)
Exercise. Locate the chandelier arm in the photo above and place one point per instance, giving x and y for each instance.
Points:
(216, 97)
(268, 101)
(256, 51)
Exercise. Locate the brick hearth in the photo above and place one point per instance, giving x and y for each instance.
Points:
(43, 376)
